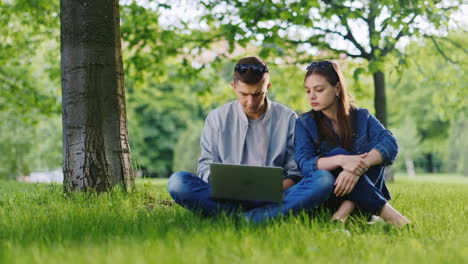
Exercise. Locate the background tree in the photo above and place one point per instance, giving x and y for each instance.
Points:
(96, 148)
(29, 86)
(170, 84)
(368, 30)
(433, 90)
(169, 87)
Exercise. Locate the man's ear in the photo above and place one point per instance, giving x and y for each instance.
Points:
(233, 84)
(268, 86)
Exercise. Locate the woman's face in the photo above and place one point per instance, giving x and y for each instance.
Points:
(321, 94)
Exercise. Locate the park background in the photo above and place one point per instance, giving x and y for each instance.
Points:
(178, 61)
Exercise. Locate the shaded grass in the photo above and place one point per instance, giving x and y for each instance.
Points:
(38, 224)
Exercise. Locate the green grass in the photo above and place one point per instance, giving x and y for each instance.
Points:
(38, 224)
(430, 177)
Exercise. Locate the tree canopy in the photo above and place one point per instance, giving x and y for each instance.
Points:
(175, 73)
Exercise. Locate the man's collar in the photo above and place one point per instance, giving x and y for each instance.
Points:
(243, 115)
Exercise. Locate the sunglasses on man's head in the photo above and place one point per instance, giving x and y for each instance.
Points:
(319, 65)
(257, 68)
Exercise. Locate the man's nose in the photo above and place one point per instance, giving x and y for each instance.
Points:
(250, 100)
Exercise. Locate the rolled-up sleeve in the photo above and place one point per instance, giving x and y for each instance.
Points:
(209, 149)
(382, 140)
(306, 151)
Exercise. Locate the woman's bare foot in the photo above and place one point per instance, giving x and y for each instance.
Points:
(345, 209)
(392, 216)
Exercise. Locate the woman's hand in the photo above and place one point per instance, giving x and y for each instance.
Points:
(345, 183)
(354, 164)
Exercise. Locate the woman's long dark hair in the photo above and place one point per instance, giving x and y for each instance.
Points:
(332, 72)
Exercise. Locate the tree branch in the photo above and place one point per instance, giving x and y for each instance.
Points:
(330, 31)
(450, 8)
(454, 43)
(441, 51)
(325, 45)
(336, 6)
(384, 27)
(349, 36)
(400, 34)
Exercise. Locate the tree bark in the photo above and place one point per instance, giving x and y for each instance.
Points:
(95, 135)
(380, 104)
(430, 164)
(380, 101)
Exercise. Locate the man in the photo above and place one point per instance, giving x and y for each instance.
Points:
(251, 130)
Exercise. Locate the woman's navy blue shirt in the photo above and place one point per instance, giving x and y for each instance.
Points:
(368, 134)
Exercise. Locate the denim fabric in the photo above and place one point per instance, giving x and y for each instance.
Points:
(194, 194)
(367, 193)
(368, 134)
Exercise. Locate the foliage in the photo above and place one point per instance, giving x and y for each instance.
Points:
(38, 224)
(187, 150)
(294, 30)
(19, 75)
(176, 73)
(431, 92)
(157, 116)
(144, 43)
(409, 141)
(26, 148)
(285, 26)
(457, 158)
(29, 86)
(166, 88)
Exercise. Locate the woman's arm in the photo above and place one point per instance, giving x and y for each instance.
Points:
(329, 163)
(381, 140)
(373, 158)
(355, 164)
(346, 180)
(306, 153)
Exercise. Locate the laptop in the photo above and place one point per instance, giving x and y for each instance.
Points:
(245, 182)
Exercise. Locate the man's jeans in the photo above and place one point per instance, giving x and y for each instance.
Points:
(193, 193)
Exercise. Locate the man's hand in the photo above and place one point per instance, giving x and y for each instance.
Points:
(354, 163)
(345, 183)
(287, 183)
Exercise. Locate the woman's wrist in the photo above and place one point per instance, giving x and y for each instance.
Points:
(339, 160)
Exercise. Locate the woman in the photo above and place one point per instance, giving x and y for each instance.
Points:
(347, 141)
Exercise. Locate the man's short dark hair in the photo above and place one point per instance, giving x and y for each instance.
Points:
(252, 75)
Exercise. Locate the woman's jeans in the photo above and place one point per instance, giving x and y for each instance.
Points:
(193, 193)
(366, 193)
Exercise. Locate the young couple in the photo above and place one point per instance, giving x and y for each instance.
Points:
(333, 155)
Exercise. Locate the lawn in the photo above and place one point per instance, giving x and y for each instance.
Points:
(39, 224)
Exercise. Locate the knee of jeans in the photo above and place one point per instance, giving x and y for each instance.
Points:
(177, 184)
(324, 179)
(321, 179)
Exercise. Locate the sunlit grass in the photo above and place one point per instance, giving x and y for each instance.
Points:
(430, 177)
(39, 224)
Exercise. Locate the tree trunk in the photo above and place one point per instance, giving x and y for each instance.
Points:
(410, 167)
(380, 104)
(380, 101)
(95, 136)
(430, 163)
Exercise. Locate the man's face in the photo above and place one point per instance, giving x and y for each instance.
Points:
(251, 96)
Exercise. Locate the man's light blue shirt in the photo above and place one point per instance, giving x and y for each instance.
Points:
(224, 136)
